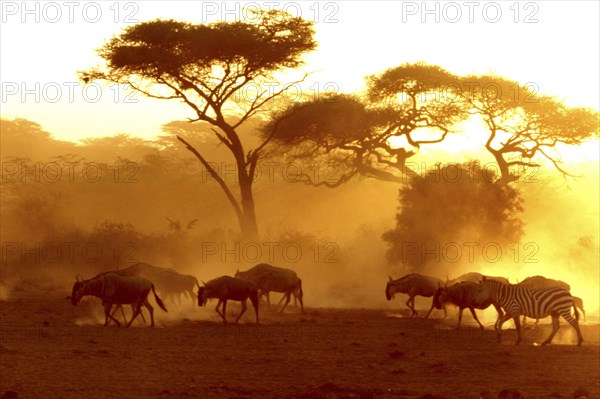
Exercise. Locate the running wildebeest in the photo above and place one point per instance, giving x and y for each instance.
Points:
(169, 283)
(227, 288)
(275, 279)
(116, 289)
(414, 285)
(517, 300)
(541, 282)
(463, 295)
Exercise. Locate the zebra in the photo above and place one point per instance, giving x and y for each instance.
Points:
(578, 303)
(517, 300)
(541, 282)
(116, 289)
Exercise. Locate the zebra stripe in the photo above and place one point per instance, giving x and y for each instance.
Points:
(518, 300)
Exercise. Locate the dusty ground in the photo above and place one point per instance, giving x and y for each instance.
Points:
(50, 349)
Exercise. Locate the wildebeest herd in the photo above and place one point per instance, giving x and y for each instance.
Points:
(535, 297)
(132, 285)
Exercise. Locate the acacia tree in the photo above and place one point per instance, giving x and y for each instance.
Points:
(524, 125)
(404, 108)
(205, 66)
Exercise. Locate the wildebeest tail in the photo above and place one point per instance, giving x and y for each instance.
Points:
(158, 300)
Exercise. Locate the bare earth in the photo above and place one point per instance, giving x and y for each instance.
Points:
(48, 349)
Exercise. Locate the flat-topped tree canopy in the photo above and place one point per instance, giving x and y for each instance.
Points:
(167, 46)
(210, 61)
(524, 124)
(332, 119)
(412, 79)
(373, 135)
(204, 65)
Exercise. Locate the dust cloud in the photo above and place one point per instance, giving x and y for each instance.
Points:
(80, 209)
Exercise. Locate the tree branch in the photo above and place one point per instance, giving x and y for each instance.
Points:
(216, 176)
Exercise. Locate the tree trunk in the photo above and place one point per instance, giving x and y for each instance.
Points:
(248, 224)
(244, 209)
(247, 219)
(505, 176)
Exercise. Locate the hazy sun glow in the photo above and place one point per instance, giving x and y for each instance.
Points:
(48, 92)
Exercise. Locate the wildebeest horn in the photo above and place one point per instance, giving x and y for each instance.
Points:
(203, 282)
(391, 279)
(77, 277)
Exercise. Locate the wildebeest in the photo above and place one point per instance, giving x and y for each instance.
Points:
(517, 300)
(270, 278)
(474, 277)
(227, 288)
(463, 295)
(414, 285)
(541, 282)
(116, 289)
(169, 283)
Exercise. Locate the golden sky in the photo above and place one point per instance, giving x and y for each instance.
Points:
(552, 44)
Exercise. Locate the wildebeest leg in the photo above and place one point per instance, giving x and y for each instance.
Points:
(138, 309)
(411, 300)
(141, 315)
(150, 310)
(218, 311)
(224, 311)
(115, 311)
(475, 317)
(460, 310)
(254, 300)
(281, 300)
(107, 315)
(287, 300)
(122, 314)
(430, 309)
(301, 303)
(242, 312)
(555, 327)
(192, 297)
